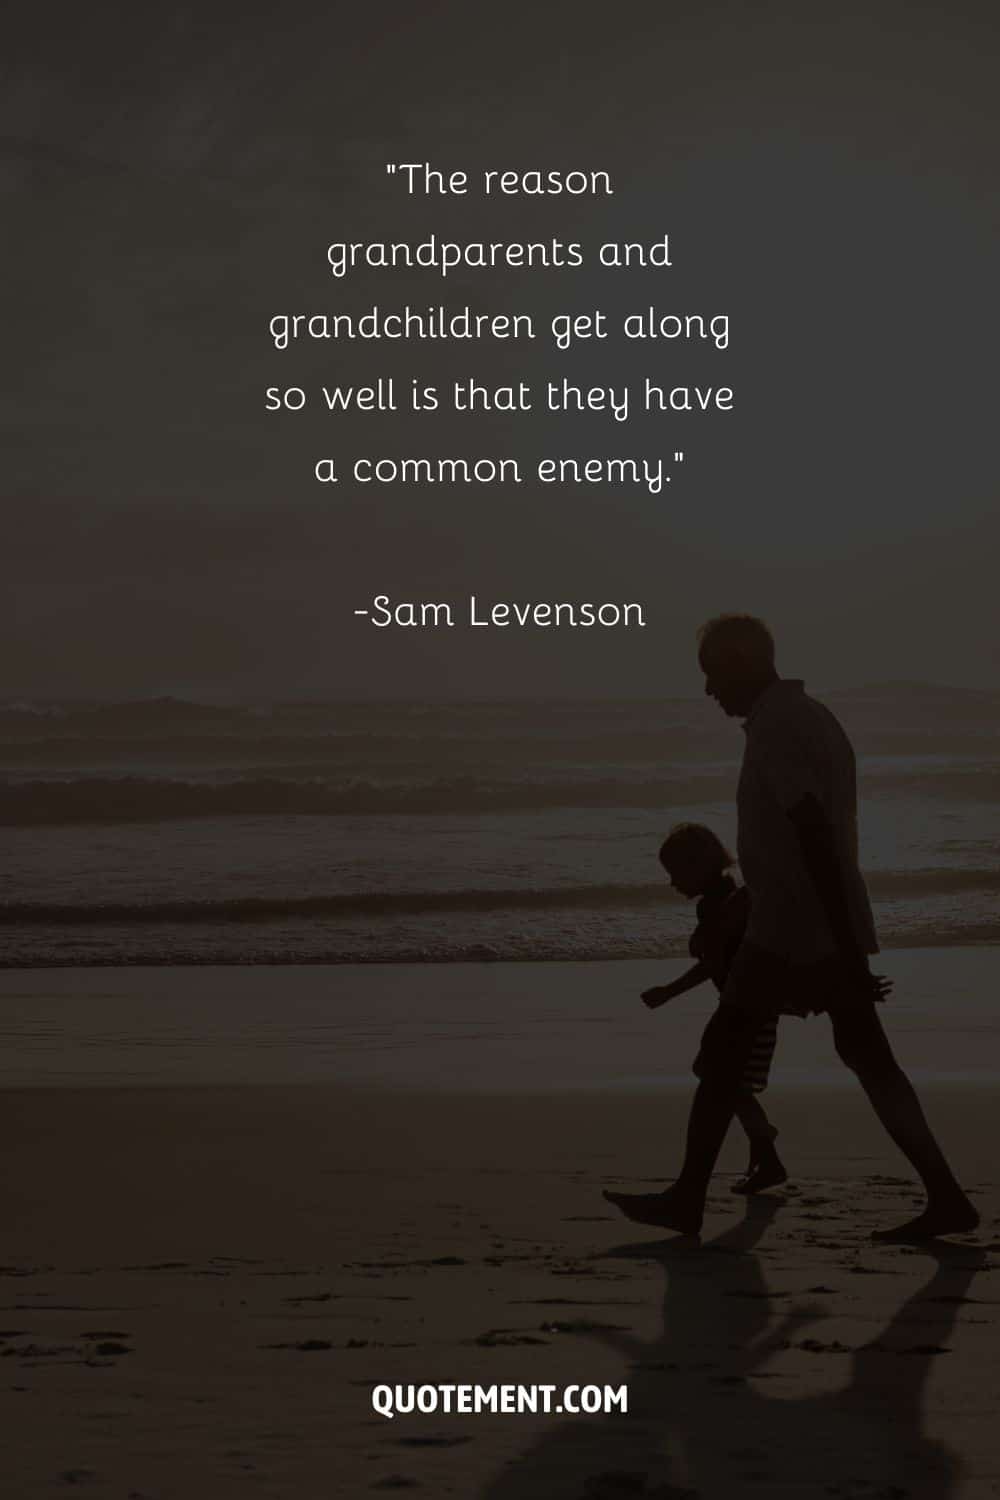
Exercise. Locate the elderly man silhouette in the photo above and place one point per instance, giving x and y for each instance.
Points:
(809, 936)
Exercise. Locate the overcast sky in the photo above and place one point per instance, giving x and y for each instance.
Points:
(171, 179)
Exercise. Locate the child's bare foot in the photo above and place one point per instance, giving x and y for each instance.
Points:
(764, 1175)
(667, 1210)
(952, 1215)
(765, 1170)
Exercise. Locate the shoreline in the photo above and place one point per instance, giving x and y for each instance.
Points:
(983, 936)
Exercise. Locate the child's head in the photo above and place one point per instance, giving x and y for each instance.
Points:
(693, 856)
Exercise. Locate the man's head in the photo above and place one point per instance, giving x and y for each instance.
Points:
(736, 654)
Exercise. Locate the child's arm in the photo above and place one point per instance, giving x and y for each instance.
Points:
(661, 993)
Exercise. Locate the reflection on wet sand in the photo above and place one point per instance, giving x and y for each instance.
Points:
(702, 1421)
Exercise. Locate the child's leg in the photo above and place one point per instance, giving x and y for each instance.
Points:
(725, 1050)
(752, 1116)
(765, 1168)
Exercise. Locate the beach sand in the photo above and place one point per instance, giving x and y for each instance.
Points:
(201, 1285)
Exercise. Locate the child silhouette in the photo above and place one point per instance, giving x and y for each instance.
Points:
(697, 864)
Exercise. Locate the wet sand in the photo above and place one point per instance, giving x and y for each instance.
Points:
(200, 1286)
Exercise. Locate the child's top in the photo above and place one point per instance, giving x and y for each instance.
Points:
(722, 914)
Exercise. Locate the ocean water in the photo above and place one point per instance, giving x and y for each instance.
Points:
(176, 833)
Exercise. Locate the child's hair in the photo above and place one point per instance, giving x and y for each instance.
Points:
(686, 839)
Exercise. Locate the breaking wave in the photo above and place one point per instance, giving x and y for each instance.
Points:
(137, 799)
(883, 885)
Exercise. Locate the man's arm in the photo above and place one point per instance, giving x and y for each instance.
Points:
(661, 993)
(819, 855)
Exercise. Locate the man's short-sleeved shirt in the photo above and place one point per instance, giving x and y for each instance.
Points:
(795, 748)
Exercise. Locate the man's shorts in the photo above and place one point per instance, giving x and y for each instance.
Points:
(762, 986)
(767, 984)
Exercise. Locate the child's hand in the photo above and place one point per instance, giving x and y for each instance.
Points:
(658, 995)
(883, 986)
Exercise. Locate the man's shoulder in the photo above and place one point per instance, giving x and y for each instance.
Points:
(795, 729)
(795, 709)
(825, 723)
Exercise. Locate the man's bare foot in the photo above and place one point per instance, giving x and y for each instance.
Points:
(948, 1216)
(764, 1175)
(667, 1210)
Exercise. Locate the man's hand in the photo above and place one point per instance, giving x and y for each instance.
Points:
(657, 996)
(875, 986)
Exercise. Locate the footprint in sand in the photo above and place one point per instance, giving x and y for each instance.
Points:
(498, 1338)
(307, 1346)
(432, 1441)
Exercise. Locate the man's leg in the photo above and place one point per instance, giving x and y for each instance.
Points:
(682, 1206)
(863, 1045)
